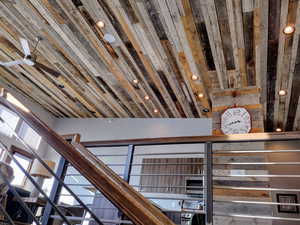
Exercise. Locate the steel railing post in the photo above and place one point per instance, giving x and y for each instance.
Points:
(208, 192)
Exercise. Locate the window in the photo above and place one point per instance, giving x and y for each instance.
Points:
(11, 119)
(30, 136)
(19, 176)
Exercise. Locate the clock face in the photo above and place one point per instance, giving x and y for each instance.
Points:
(236, 121)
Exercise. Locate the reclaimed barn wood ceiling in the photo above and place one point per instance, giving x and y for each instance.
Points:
(160, 44)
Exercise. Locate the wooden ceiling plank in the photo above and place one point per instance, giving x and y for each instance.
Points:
(234, 10)
(181, 86)
(141, 37)
(211, 21)
(174, 85)
(132, 71)
(287, 15)
(81, 53)
(155, 49)
(260, 20)
(181, 53)
(100, 13)
(197, 51)
(116, 67)
(296, 126)
(26, 87)
(292, 66)
(37, 76)
(132, 36)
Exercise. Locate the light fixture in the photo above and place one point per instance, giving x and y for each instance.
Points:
(16, 102)
(289, 29)
(146, 97)
(100, 24)
(200, 95)
(155, 110)
(205, 110)
(278, 129)
(195, 77)
(282, 92)
(135, 81)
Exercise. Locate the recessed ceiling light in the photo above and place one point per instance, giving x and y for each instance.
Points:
(195, 77)
(109, 38)
(100, 24)
(278, 129)
(135, 81)
(206, 110)
(200, 95)
(289, 29)
(146, 97)
(282, 92)
(155, 110)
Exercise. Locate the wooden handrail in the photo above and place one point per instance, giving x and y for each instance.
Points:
(138, 209)
(251, 137)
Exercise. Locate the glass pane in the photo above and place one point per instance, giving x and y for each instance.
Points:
(30, 136)
(18, 174)
(10, 118)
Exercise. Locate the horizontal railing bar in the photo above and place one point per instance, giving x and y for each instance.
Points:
(253, 151)
(154, 197)
(257, 217)
(256, 188)
(80, 207)
(75, 218)
(260, 175)
(257, 202)
(173, 198)
(186, 211)
(78, 174)
(166, 164)
(259, 163)
(148, 186)
(251, 137)
(137, 175)
(169, 153)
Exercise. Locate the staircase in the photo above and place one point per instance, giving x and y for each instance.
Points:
(135, 206)
(236, 182)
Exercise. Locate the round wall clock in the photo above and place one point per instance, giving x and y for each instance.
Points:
(236, 121)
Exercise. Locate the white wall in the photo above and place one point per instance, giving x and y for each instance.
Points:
(106, 129)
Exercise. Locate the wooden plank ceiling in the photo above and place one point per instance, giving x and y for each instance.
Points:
(166, 59)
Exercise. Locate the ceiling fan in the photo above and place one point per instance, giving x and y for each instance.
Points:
(30, 60)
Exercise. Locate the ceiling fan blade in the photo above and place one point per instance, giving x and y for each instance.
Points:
(47, 69)
(12, 63)
(25, 46)
(28, 62)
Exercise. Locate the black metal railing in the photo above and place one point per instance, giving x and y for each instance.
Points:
(250, 157)
(229, 158)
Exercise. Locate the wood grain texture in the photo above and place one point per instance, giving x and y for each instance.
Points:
(161, 44)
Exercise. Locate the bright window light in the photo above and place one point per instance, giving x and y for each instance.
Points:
(11, 119)
(16, 102)
(30, 136)
(19, 176)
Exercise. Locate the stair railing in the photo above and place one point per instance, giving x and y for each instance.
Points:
(61, 182)
(137, 208)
